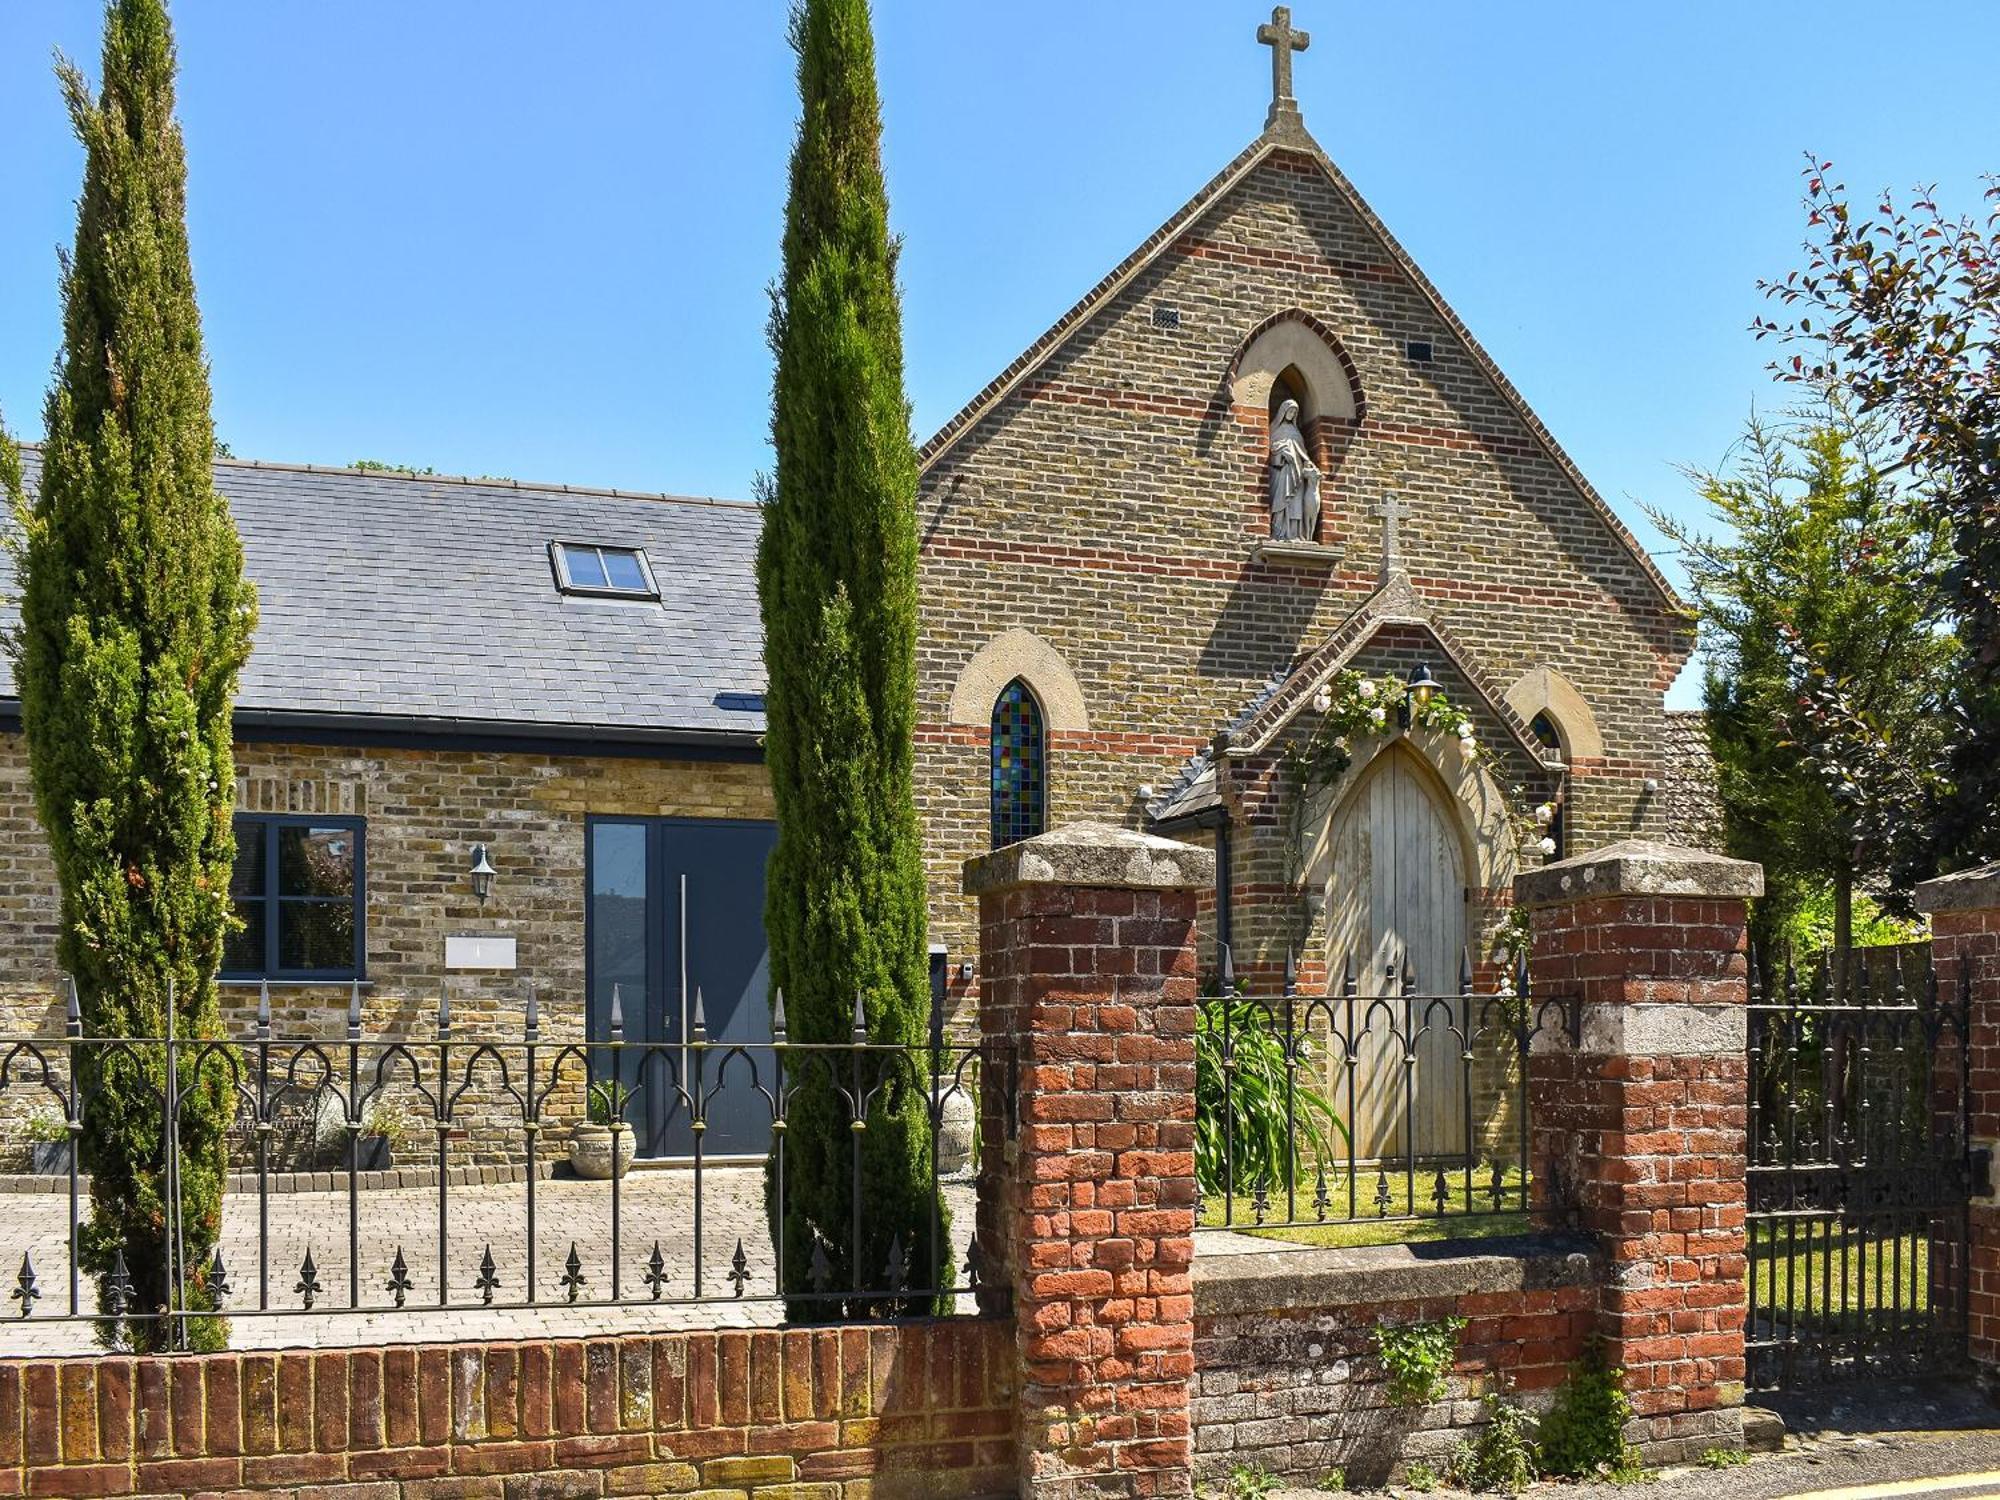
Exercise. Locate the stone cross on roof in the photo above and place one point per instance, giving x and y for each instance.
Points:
(1277, 34)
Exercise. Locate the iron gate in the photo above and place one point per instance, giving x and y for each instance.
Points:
(1860, 1173)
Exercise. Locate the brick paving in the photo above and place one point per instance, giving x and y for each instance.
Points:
(653, 1205)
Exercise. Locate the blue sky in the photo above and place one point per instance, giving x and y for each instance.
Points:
(510, 237)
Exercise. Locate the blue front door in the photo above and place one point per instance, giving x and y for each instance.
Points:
(676, 909)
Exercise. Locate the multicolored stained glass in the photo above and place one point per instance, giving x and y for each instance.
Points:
(1020, 766)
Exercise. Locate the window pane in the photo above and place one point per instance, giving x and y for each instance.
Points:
(585, 571)
(623, 569)
(316, 935)
(1019, 774)
(316, 861)
(246, 876)
(243, 952)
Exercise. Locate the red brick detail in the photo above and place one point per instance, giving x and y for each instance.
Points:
(933, 1399)
(1091, 1203)
(1647, 1152)
(1965, 945)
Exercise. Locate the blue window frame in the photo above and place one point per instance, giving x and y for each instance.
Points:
(1019, 764)
(298, 888)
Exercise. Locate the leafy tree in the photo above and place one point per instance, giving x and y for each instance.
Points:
(1827, 667)
(135, 619)
(836, 575)
(1897, 309)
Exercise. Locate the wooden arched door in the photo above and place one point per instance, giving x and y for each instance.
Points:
(1396, 895)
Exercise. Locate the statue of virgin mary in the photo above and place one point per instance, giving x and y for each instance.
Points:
(1294, 479)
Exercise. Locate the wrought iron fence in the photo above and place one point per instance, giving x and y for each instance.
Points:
(1377, 1102)
(519, 1090)
(1860, 1171)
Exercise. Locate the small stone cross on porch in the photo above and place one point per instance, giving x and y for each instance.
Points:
(1278, 35)
(1392, 510)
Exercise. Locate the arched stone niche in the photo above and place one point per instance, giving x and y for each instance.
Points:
(1293, 355)
(1023, 654)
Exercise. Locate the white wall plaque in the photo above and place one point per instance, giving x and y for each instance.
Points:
(464, 950)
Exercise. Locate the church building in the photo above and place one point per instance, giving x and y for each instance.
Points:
(1255, 548)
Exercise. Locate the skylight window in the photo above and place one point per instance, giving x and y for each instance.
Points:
(609, 572)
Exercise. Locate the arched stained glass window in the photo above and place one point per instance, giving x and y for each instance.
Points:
(1543, 728)
(1020, 765)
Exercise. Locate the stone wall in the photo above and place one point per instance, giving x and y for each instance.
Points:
(866, 1412)
(424, 810)
(1288, 1378)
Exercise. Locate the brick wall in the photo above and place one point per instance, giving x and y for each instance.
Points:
(875, 1412)
(1113, 501)
(1289, 1378)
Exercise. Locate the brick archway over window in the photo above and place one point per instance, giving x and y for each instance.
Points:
(1297, 345)
(1023, 654)
(1545, 691)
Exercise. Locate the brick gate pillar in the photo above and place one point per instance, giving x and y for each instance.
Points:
(1087, 971)
(1965, 948)
(1638, 1126)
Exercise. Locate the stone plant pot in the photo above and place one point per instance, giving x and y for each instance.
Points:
(958, 1129)
(49, 1158)
(590, 1151)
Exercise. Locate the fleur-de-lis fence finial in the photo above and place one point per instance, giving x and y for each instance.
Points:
(573, 1278)
(399, 1277)
(308, 1285)
(26, 1289)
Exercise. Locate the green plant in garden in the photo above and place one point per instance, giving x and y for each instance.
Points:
(1724, 1458)
(1420, 1476)
(1502, 1457)
(1252, 1112)
(836, 578)
(1332, 1482)
(1249, 1482)
(1418, 1357)
(135, 619)
(1583, 1433)
(45, 1127)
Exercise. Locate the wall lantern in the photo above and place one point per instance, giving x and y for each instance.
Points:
(482, 873)
(1423, 687)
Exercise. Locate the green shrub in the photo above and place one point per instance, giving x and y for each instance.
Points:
(1724, 1458)
(1333, 1481)
(1583, 1435)
(1418, 1357)
(1420, 1476)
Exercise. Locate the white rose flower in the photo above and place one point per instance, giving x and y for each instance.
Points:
(1366, 689)
(1546, 844)
(1545, 814)
(1378, 716)
(1467, 744)
(1323, 700)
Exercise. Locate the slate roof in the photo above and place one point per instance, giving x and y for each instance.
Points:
(430, 602)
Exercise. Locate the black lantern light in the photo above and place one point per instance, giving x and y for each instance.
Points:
(482, 873)
(1422, 685)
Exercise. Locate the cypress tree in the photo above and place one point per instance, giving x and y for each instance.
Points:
(836, 576)
(135, 619)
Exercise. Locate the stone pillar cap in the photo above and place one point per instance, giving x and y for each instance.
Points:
(1092, 854)
(1968, 890)
(1639, 867)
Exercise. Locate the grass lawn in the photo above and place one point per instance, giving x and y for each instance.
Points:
(1840, 1279)
(1464, 1216)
